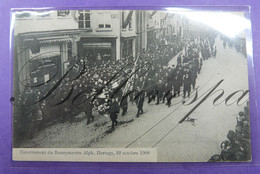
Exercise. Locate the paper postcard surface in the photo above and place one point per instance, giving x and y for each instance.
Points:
(130, 86)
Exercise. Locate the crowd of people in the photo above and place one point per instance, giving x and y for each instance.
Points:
(160, 83)
(238, 43)
(237, 146)
(109, 86)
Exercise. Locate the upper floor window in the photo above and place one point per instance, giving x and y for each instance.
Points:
(22, 14)
(63, 13)
(43, 13)
(104, 20)
(84, 19)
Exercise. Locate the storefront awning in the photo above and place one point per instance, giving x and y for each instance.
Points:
(97, 45)
(61, 36)
(87, 35)
(51, 36)
(58, 39)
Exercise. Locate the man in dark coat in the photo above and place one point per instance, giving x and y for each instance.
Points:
(140, 102)
(179, 60)
(194, 71)
(185, 59)
(89, 111)
(164, 90)
(114, 111)
(124, 104)
(169, 97)
(168, 89)
(193, 79)
(178, 82)
(149, 87)
(186, 83)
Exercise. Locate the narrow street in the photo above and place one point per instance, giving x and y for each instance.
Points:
(195, 140)
(158, 127)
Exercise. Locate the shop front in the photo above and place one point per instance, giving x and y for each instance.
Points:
(127, 47)
(39, 57)
(97, 49)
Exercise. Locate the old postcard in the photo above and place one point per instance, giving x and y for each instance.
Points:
(166, 85)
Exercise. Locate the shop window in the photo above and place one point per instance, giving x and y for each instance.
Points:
(69, 50)
(84, 19)
(130, 47)
(127, 48)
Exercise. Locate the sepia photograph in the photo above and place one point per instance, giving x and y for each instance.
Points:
(131, 85)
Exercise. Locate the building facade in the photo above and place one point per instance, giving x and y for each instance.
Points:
(164, 27)
(59, 36)
(52, 39)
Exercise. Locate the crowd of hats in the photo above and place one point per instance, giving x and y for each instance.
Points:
(83, 75)
(150, 63)
(89, 78)
(237, 147)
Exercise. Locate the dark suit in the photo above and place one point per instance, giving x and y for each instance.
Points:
(140, 103)
(124, 104)
(88, 112)
(187, 83)
(114, 110)
(178, 82)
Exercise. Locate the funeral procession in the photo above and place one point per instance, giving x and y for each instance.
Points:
(160, 79)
